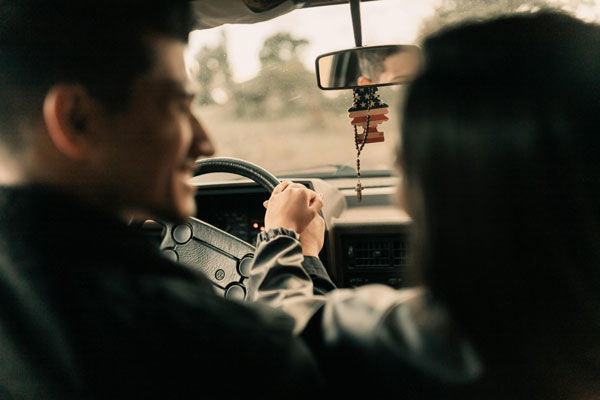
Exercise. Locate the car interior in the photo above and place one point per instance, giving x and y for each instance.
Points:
(366, 230)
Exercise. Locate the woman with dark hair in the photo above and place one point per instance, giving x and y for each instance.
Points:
(500, 154)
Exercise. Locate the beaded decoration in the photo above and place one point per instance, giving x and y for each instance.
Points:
(367, 112)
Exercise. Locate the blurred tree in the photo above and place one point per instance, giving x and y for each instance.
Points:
(280, 48)
(213, 73)
(284, 86)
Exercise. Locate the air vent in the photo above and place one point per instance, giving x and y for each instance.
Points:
(374, 259)
(399, 252)
(375, 251)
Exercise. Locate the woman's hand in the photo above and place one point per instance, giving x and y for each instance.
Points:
(293, 206)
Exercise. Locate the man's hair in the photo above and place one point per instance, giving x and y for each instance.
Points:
(101, 45)
(500, 148)
(371, 61)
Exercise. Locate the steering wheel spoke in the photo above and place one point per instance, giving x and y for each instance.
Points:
(220, 256)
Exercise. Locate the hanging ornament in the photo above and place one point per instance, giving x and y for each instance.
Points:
(367, 112)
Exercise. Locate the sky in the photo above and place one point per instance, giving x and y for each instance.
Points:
(329, 28)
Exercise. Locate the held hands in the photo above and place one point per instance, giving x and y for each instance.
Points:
(293, 206)
(313, 236)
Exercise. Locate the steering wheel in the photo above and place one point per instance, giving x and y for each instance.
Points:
(222, 257)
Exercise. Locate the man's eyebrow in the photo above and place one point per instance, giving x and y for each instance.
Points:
(186, 94)
(186, 90)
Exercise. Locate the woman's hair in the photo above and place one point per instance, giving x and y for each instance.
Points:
(501, 155)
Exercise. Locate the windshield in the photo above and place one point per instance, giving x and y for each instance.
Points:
(259, 98)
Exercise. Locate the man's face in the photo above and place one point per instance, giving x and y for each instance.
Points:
(151, 147)
(399, 67)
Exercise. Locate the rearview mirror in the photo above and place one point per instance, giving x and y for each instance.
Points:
(368, 66)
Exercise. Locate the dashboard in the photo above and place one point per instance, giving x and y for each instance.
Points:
(365, 242)
(237, 210)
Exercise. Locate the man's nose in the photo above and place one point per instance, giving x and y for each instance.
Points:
(203, 145)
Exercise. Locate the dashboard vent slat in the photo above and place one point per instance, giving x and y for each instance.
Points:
(366, 252)
(375, 258)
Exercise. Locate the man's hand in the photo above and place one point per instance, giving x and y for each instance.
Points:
(292, 206)
(313, 236)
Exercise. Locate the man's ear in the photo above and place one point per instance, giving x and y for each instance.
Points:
(67, 114)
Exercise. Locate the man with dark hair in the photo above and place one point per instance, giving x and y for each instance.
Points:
(95, 125)
(393, 64)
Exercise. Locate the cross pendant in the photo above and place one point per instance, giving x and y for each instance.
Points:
(358, 189)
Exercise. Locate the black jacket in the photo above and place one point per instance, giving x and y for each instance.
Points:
(399, 343)
(89, 309)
